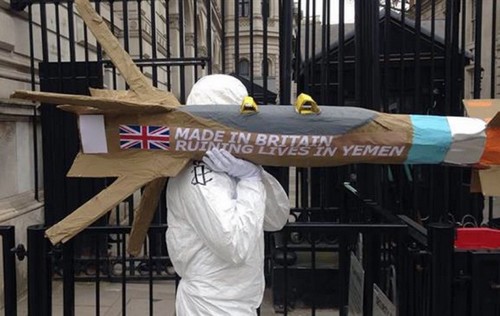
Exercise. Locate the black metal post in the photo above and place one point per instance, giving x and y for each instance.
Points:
(441, 241)
(286, 53)
(69, 279)
(39, 273)
(367, 82)
(9, 270)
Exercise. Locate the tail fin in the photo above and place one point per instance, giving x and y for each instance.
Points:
(487, 180)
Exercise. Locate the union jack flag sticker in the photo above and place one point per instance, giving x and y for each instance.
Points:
(144, 137)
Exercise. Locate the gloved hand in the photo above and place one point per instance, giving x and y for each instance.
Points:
(220, 160)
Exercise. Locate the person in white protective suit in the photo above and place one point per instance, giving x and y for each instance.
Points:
(218, 209)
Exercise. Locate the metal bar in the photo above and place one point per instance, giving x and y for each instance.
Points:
(181, 51)
(112, 20)
(441, 241)
(493, 48)
(236, 37)
(286, 53)
(369, 260)
(169, 53)
(433, 52)
(99, 48)
(97, 276)
(43, 30)
(312, 67)
(68, 279)
(71, 32)
(139, 37)
(385, 92)
(344, 263)
(224, 35)
(307, 61)
(8, 234)
(124, 274)
(342, 228)
(477, 48)
(265, 18)
(154, 47)
(195, 27)
(150, 279)
(341, 58)
(298, 41)
(36, 179)
(86, 46)
(415, 230)
(324, 54)
(251, 49)
(492, 76)
(39, 273)
(164, 61)
(313, 271)
(126, 35)
(209, 36)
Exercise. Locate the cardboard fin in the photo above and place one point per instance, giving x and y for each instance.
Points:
(110, 44)
(484, 109)
(144, 215)
(95, 208)
(79, 109)
(490, 181)
(156, 163)
(120, 58)
(104, 105)
(161, 97)
(495, 121)
(475, 182)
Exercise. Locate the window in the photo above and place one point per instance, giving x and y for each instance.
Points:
(244, 8)
(244, 68)
(269, 70)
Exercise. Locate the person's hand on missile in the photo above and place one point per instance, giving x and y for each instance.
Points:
(220, 160)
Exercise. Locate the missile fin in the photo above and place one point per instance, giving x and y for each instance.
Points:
(102, 104)
(95, 208)
(144, 214)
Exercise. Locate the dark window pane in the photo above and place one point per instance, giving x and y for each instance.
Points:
(244, 68)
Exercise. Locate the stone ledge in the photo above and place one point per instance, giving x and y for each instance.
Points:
(18, 205)
(17, 107)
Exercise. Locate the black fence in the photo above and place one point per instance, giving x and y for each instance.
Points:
(309, 264)
(419, 57)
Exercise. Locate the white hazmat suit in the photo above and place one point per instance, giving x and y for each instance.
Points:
(217, 211)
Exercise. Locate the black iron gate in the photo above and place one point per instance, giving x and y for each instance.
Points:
(394, 56)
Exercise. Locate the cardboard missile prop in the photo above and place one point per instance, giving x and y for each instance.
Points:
(143, 136)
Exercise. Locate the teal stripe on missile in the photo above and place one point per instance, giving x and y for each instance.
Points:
(431, 139)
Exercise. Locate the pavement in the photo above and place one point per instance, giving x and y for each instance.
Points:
(137, 300)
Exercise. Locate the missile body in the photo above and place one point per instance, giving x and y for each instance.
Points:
(278, 136)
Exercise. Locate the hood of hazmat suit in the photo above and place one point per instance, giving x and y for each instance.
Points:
(215, 235)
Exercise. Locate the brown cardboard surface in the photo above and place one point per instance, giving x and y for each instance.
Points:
(158, 164)
(144, 215)
(475, 182)
(487, 180)
(485, 109)
(138, 83)
(101, 104)
(490, 181)
(96, 207)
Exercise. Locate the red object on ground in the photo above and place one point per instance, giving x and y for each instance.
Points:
(477, 238)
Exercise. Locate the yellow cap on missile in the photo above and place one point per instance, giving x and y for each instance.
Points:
(305, 104)
(248, 105)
